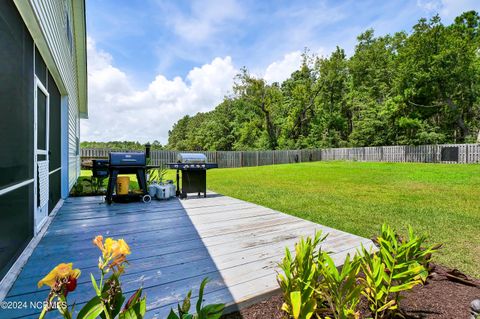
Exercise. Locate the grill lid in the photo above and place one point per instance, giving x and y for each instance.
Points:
(191, 158)
(127, 159)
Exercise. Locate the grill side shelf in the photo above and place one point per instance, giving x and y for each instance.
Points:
(192, 166)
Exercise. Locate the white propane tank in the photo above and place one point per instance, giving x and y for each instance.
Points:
(152, 189)
(168, 191)
(160, 192)
(172, 188)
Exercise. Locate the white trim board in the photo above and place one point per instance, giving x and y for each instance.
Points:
(8, 189)
(40, 168)
(55, 170)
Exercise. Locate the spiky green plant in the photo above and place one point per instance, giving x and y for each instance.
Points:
(212, 311)
(399, 265)
(300, 278)
(340, 287)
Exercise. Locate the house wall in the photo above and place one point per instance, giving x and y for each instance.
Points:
(55, 20)
(37, 39)
(16, 138)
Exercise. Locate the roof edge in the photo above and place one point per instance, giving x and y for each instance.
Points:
(80, 36)
(31, 21)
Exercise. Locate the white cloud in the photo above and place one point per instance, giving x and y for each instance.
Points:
(119, 111)
(448, 9)
(279, 71)
(429, 5)
(206, 19)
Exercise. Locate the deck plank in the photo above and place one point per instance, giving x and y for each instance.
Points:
(175, 244)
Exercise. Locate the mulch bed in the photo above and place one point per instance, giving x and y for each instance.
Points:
(446, 295)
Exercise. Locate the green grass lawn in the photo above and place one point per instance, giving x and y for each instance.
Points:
(442, 201)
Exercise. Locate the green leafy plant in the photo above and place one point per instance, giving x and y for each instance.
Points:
(77, 189)
(411, 248)
(341, 289)
(95, 183)
(156, 174)
(399, 265)
(311, 282)
(109, 298)
(88, 186)
(300, 279)
(212, 311)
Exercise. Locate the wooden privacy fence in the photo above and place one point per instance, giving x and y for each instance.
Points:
(445, 153)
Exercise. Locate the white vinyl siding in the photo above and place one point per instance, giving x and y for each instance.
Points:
(52, 20)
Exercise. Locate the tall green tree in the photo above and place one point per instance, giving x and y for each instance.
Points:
(439, 78)
(258, 100)
(421, 87)
(333, 122)
(298, 106)
(372, 70)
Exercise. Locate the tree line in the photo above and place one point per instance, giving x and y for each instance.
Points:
(122, 145)
(411, 88)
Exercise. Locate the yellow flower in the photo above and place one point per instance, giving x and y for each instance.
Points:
(109, 243)
(123, 247)
(59, 272)
(98, 241)
(112, 250)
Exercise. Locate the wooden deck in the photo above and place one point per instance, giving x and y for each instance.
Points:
(175, 244)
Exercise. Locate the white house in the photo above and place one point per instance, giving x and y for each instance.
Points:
(43, 95)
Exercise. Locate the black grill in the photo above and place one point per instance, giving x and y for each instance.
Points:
(194, 173)
(99, 168)
(127, 159)
(126, 163)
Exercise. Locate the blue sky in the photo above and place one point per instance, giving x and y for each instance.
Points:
(169, 56)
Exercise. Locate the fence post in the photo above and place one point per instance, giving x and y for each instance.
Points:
(257, 156)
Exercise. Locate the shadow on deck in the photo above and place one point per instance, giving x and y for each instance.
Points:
(175, 244)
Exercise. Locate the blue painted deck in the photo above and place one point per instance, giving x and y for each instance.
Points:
(175, 244)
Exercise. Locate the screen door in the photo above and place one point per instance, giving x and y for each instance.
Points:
(41, 154)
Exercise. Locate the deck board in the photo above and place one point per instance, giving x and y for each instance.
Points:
(175, 244)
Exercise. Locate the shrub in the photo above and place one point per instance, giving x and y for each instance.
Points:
(77, 189)
(300, 279)
(95, 184)
(399, 265)
(108, 300)
(213, 311)
(311, 282)
(86, 186)
(156, 174)
(340, 288)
